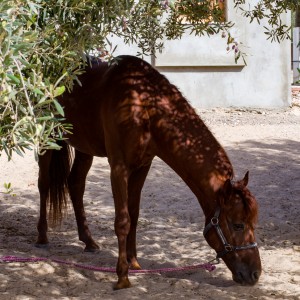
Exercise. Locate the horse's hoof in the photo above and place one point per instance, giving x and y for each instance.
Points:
(41, 246)
(134, 265)
(92, 248)
(122, 283)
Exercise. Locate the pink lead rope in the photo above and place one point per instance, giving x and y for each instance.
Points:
(207, 266)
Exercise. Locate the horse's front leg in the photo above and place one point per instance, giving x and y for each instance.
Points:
(119, 182)
(76, 182)
(135, 185)
(44, 186)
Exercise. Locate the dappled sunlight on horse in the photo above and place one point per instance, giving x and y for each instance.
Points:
(130, 113)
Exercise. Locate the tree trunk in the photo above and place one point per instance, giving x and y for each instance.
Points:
(297, 23)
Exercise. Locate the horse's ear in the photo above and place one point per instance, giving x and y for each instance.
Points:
(245, 180)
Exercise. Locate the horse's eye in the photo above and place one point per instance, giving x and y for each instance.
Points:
(238, 227)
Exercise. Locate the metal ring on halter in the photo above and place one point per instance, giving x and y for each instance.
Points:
(214, 221)
(229, 248)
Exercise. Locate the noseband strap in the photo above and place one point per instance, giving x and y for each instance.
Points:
(214, 223)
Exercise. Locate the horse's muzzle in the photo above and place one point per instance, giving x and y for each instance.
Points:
(247, 278)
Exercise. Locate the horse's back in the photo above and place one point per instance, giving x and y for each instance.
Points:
(125, 110)
(108, 110)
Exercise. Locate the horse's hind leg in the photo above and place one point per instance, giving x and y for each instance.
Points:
(76, 182)
(135, 185)
(44, 186)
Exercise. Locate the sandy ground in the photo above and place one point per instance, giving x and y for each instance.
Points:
(267, 143)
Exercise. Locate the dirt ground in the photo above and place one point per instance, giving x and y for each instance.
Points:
(267, 143)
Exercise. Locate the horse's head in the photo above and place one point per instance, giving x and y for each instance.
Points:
(230, 231)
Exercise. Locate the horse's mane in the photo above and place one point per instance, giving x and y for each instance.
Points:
(250, 205)
(251, 209)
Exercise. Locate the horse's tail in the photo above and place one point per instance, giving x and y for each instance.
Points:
(59, 171)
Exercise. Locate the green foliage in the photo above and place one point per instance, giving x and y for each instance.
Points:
(29, 114)
(272, 11)
(8, 189)
(44, 45)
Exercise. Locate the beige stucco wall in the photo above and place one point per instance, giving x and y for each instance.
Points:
(208, 76)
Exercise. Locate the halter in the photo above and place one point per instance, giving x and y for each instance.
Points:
(214, 223)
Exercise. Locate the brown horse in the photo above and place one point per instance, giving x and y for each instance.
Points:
(129, 112)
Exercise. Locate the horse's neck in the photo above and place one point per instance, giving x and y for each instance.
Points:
(189, 148)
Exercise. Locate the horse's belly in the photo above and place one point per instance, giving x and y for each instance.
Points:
(91, 144)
